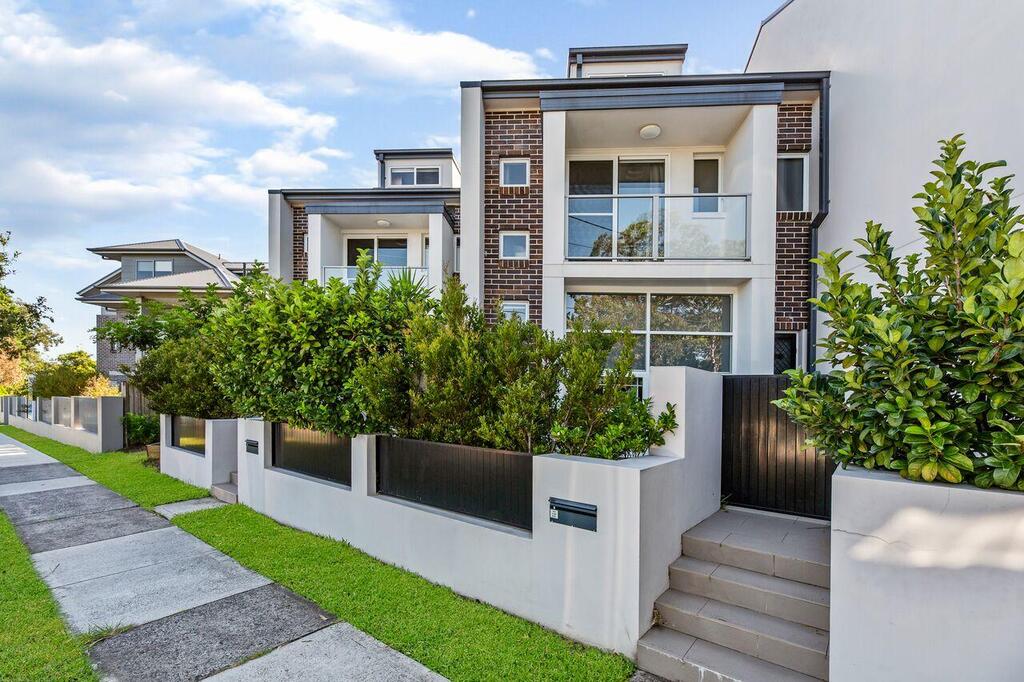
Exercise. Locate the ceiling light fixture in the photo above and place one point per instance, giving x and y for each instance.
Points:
(383, 223)
(650, 131)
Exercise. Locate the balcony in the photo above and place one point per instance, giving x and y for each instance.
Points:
(657, 227)
(347, 274)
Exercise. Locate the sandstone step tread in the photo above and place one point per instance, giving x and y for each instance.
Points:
(225, 492)
(800, 560)
(679, 657)
(760, 581)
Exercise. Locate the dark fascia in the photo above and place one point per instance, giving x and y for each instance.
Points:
(448, 194)
(626, 53)
(792, 80)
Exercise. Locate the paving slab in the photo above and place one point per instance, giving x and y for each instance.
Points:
(80, 530)
(71, 565)
(35, 472)
(339, 653)
(17, 455)
(46, 484)
(200, 641)
(58, 504)
(173, 509)
(145, 594)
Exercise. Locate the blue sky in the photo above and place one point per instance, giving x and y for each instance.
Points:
(129, 121)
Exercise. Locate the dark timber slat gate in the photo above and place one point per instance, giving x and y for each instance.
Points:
(763, 463)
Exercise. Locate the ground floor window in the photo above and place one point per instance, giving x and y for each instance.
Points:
(785, 351)
(690, 330)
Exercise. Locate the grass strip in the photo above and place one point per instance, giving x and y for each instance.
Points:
(34, 642)
(460, 638)
(122, 472)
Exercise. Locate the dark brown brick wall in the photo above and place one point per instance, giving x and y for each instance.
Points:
(794, 128)
(109, 359)
(792, 270)
(300, 227)
(513, 134)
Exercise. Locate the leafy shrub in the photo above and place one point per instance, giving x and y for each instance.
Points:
(141, 429)
(287, 352)
(147, 325)
(68, 375)
(927, 374)
(454, 379)
(99, 387)
(177, 378)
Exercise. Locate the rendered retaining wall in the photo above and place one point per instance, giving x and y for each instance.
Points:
(109, 434)
(212, 466)
(594, 587)
(927, 580)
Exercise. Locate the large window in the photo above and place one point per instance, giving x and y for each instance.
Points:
(792, 183)
(144, 269)
(388, 252)
(692, 330)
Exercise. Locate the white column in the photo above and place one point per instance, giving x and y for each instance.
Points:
(472, 204)
(442, 252)
(554, 187)
(314, 255)
(279, 224)
(553, 301)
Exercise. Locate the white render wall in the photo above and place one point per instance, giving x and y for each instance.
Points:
(904, 75)
(203, 470)
(594, 587)
(109, 434)
(927, 580)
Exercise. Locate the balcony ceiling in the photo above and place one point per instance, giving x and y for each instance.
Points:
(680, 127)
(368, 222)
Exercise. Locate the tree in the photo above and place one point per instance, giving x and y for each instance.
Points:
(23, 325)
(68, 375)
(927, 376)
(146, 325)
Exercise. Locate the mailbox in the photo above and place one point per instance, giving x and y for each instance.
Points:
(252, 446)
(575, 514)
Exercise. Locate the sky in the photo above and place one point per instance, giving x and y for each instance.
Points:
(154, 119)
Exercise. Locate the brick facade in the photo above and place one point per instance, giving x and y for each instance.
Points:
(794, 128)
(300, 228)
(513, 134)
(109, 359)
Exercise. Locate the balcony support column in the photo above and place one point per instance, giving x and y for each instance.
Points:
(442, 252)
(314, 248)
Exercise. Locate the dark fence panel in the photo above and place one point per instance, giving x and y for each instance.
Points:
(496, 485)
(134, 401)
(763, 463)
(87, 413)
(189, 433)
(314, 453)
(46, 410)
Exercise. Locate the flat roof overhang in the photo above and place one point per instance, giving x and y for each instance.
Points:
(384, 194)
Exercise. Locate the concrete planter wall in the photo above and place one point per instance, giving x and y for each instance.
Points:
(109, 433)
(214, 465)
(597, 587)
(927, 580)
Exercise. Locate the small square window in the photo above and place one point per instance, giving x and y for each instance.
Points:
(514, 245)
(515, 172)
(520, 309)
(401, 177)
(428, 176)
(163, 267)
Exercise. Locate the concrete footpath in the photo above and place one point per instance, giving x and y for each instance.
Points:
(187, 611)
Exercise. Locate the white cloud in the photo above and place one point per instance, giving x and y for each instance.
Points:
(544, 53)
(386, 46)
(441, 141)
(283, 164)
(471, 13)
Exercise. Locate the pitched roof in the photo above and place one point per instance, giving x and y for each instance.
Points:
(197, 279)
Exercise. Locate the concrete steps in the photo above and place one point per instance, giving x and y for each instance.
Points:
(683, 658)
(225, 492)
(233, 478)
(748, 601)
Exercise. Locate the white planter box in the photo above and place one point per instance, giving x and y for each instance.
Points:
(927, 580)
(214, 465)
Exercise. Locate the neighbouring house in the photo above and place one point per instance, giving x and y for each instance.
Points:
(157, 271)
(409, 222)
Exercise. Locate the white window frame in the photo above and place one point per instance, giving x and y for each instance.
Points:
(415, 170)
(376, 238)
(512, 233)
(806, 204)
(458, 253)
(501, 170)
(706, 156)
(424, 251)
(525, 306)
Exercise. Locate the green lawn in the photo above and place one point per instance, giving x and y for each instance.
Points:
(122, 472)
(457, 637)
(34, 642)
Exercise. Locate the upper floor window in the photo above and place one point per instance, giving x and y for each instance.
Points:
(145, 269)
(425, 175)
(514, 245)
(706, 180)
(515, 172)
(792, 182)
